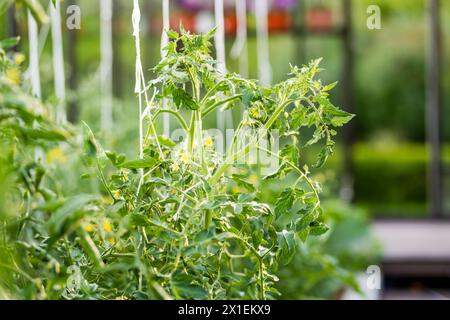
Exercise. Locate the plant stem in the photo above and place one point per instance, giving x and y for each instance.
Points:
(230, 159)
(175, 114)
(218, 104)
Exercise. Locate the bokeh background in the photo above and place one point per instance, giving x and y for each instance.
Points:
(382, 163)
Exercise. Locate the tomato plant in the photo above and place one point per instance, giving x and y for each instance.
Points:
(185, 220)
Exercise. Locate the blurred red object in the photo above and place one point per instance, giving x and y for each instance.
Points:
(186, 19)
(230, 23)
(279, 21)
(319, 19)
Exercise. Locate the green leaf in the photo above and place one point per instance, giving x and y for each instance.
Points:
(10, 42)
(330, 86)
(42, 133)
(323, 156)
(333, 115)
(183, 99)
(64, 218)
(247, 97)
(287, 244)
(208, 218)
(138, 164)
(318, 228)
(284, 202)
(303, 222)
(303, 235)
(183, 288)
(172, 34)
(166, 141)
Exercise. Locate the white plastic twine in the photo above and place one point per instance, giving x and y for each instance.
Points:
(106, 64)
(220, 36)
(58, 61)
(164, 43)
(166, 25)
(140, 89)
(239, 49)
(33, 69)
(136, 19)
(226, 119)
(262, 39)
(35, 78)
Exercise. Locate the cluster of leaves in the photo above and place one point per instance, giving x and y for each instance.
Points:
(193, 221)
(182, 220)
(327, 265)
(28, 195)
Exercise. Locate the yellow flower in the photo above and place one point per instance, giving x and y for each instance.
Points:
(19, 58)
(111, 240)
(185, 157)
(208, 141)
(124, 176)
(13, 75)
(89, 227)
(175, 167)
(236, 189)
(106, 199)
(56, 155)
(107, 227)
(253, 179)
(116, 194)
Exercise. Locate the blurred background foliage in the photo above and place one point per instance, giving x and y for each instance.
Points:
(390, 154)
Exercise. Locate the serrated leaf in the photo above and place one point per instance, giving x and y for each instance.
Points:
(284, 202)
(318, 228)
(304, 221)
(323, 156)
(182, 98)
(287, 244)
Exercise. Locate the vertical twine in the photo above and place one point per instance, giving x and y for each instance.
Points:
(262, 38)
(58, 62)
(106, 65)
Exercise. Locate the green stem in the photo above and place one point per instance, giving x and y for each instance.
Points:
(174, 113)
(210, 91)
(298, 170)
(230, 159)
(218, 104)
(261, 279)
(191, 133)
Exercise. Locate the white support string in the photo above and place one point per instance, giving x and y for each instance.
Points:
(141, 91)
(34, 75)
(166, 25)
(262, 39)
(220, 36)
(58, 61)
(106, 64)
(239, 49)
(136, 19)
(42, 39)
(33, 68)
(224, 118)
(164, 43)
